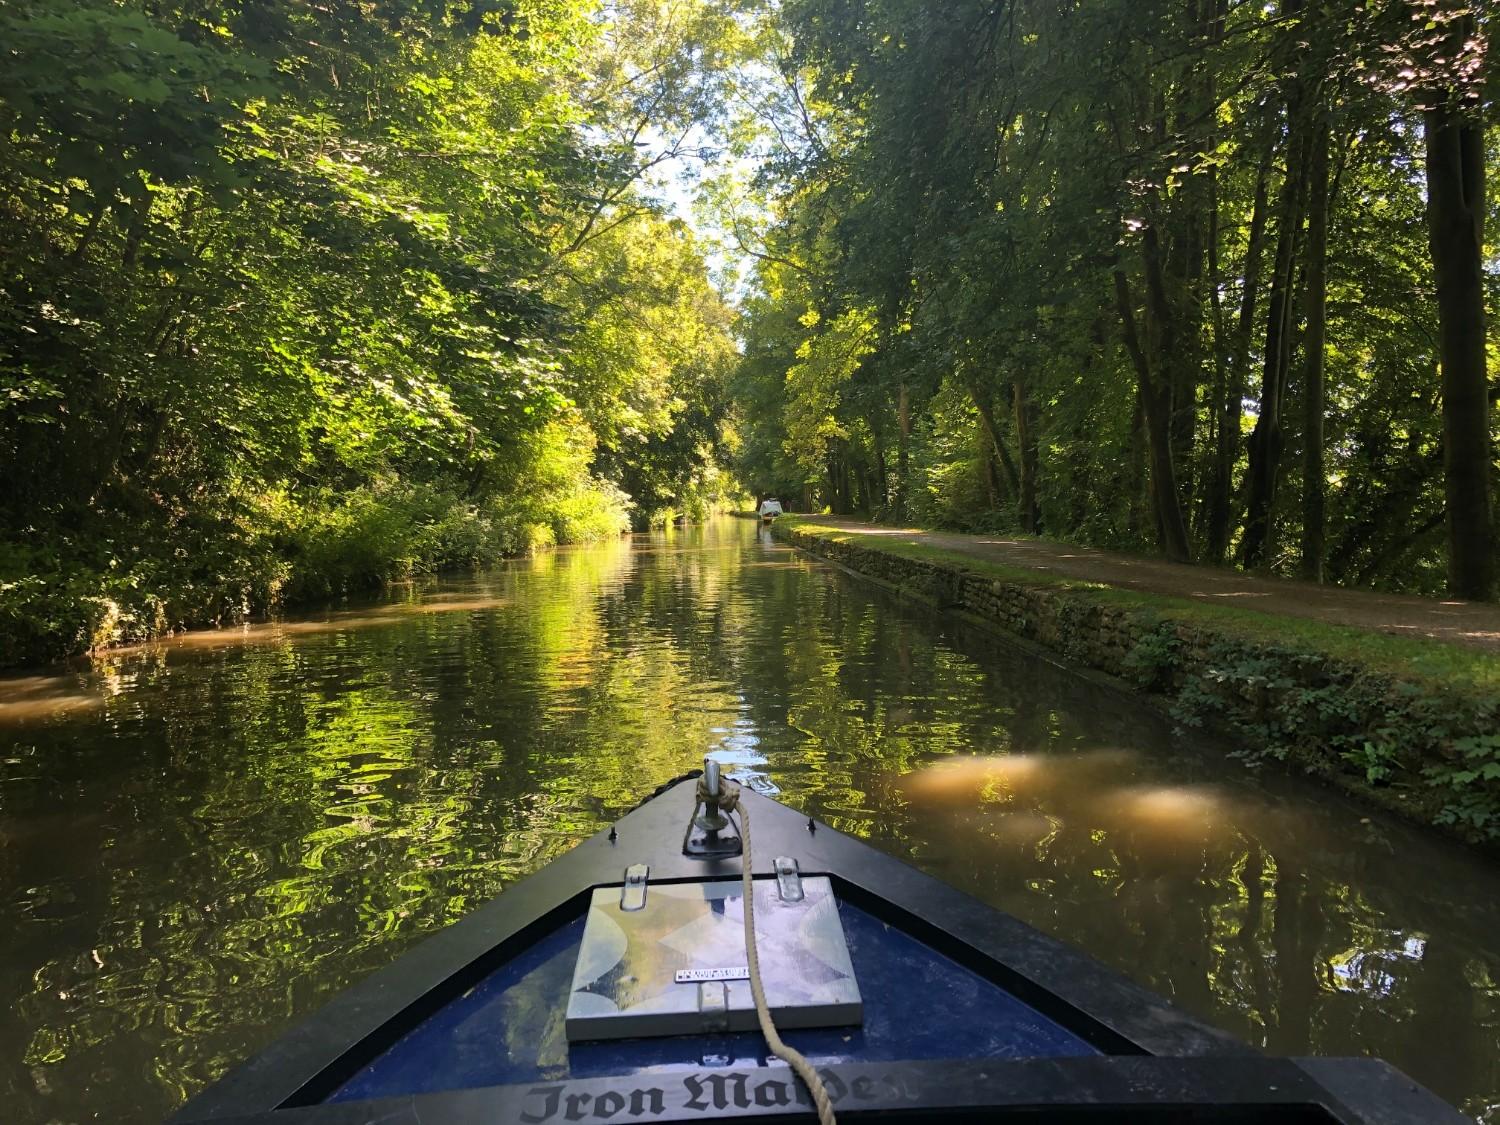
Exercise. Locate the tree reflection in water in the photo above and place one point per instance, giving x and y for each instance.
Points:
(203, 840)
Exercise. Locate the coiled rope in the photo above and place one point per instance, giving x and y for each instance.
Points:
(729, 801)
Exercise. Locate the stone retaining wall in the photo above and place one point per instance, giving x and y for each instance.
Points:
(1405, 746)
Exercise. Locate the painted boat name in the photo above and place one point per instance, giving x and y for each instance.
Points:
(717, 1092)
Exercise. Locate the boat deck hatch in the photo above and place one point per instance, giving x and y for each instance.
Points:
(509, 1028)
(675, 964)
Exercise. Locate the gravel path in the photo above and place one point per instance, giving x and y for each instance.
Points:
(1475, 624)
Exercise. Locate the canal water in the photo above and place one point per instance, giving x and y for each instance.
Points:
(203, 840)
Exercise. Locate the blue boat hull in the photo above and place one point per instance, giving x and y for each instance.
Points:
(968, 1014)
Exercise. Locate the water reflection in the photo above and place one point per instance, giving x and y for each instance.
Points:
(237, 824)
(276, 632)
(1037, 798)
(28, 698)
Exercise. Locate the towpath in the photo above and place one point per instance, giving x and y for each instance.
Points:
(1474, 624)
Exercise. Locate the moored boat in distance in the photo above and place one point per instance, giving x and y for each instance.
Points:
(617, 984)
(770, 508)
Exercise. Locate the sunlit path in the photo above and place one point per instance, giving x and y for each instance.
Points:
(1476, 624)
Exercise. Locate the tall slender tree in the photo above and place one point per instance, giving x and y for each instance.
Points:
(1314, 345)
(1454, 131)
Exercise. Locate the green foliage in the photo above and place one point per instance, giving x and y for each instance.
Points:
(1330, 715)
(1156, 658)
(826, 362)
(949, 485)
(296, 300)
(357, 539)
(1392, 732)
(1471, 773)
(1052, 223)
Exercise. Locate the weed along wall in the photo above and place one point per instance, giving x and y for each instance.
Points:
(1425, 744)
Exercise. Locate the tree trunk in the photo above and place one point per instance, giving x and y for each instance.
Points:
(1163, 317)
(1232, 406)
(1137, 487)
(1008, 469)
(838, 481)
(1455, 225)
(1314, 483)
(882, 489)
(1267, 441)
(1183, 364)
(1026, 442)
(987, 468)
(1218, 349)
(903, 418)
(1156, 400)
(84, 239)
(1213, 15)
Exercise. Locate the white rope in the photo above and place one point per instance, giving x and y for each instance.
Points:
(729, 801)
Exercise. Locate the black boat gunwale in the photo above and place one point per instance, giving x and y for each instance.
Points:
(289, 1079)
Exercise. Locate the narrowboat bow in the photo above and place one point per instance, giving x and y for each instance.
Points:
(615, 985)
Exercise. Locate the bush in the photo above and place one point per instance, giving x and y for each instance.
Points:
(590, 514)
(130, 576)
(62, 600)
(354, 541)
(373, 534)
(41, 617)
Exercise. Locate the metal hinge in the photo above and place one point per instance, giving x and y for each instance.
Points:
(713, 1007)
(788, 878)
(633, 893)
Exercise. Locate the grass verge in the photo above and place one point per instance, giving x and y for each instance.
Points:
(1422, 660)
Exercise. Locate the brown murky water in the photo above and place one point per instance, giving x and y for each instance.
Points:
(201, 841)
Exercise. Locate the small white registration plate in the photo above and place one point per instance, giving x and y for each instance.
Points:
(692, 976)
